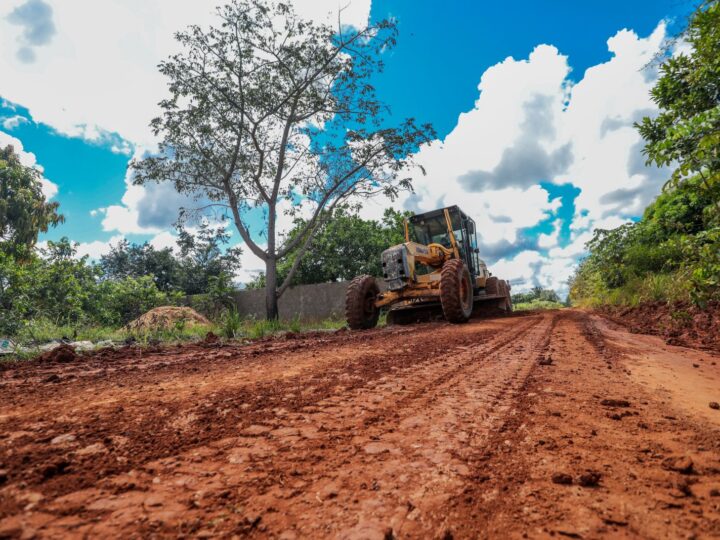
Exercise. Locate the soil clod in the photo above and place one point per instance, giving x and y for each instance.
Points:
(683, 465)
(563, 479)
(62, 354)
(589, 479)
(615, 403)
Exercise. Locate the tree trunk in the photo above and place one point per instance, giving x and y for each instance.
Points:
(271, 297)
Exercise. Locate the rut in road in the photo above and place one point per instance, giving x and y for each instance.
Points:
(407, 443)
(414, 432)
(147, 406)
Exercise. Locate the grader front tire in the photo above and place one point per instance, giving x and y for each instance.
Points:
(456, 292)
(360, 310)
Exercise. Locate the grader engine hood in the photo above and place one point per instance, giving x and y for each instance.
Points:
(396, 267)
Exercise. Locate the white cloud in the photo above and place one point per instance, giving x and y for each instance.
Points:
(164, 240)
(532, 124)
(98, 248)
(104, 75)
(550, 240)
(49, 189)
(250, 265)
(11, 122)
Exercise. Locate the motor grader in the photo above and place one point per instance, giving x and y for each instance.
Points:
(437, 270)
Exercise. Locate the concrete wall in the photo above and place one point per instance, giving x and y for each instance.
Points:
(308, 302)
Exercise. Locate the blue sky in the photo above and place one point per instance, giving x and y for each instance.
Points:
(78, 100)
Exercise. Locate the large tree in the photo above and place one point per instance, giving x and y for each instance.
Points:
(271, 114)
(24, 211)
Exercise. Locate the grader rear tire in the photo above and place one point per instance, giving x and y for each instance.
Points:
(492, 286)
(360, 310)
(506, 302)
(456, 292)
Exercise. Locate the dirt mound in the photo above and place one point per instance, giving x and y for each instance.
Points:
(62, 354)
(680, 323)
(165, 317)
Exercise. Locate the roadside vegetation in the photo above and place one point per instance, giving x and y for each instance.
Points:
(346, 247)
(537, 298)
(672, 254)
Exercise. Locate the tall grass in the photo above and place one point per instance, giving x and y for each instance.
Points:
(537, 304)
(231, 325)
(668, 287)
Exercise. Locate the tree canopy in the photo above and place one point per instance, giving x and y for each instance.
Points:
(24, 212)
(347, 246)
(687, 130)
(202, 256)
(270, 114)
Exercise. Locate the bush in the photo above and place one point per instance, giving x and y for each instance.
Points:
(119, 302)
(56, 290)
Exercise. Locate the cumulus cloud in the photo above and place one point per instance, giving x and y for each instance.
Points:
(526, 161)
(120, 92)
(532, 124)
(35, 17)
(96, 249)
(251, 266)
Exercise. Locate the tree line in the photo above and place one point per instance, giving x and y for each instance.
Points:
(52, 284)
(673, 252)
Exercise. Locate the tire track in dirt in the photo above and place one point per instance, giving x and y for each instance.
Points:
(126, 436)
(432, 431)
(563, 426)
(303, 468)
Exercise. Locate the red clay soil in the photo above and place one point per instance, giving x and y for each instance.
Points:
(63, 353)
(680, 323)
(556, 424)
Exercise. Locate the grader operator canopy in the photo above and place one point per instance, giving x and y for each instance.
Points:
(437, 266)
(432, 228)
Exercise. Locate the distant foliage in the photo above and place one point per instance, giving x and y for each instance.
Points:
(53, 287)
(202, 258)
(536, 294)
(347, 246)
(56, 286)
(673, 252)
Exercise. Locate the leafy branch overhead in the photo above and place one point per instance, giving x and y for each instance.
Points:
(687, 131)
(273, 114)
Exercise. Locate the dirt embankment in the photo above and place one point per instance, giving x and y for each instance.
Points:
(679, 323)
(554, 424)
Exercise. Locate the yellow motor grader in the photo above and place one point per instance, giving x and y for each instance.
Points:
(437, 270)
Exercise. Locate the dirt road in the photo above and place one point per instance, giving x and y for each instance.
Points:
(552, 424)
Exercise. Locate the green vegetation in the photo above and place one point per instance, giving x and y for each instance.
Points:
(673, 253)
(196, 269)
(54, 289)
(536, 298)
(24, 212)
(49, 292)
(250, 147)
(347, 246)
